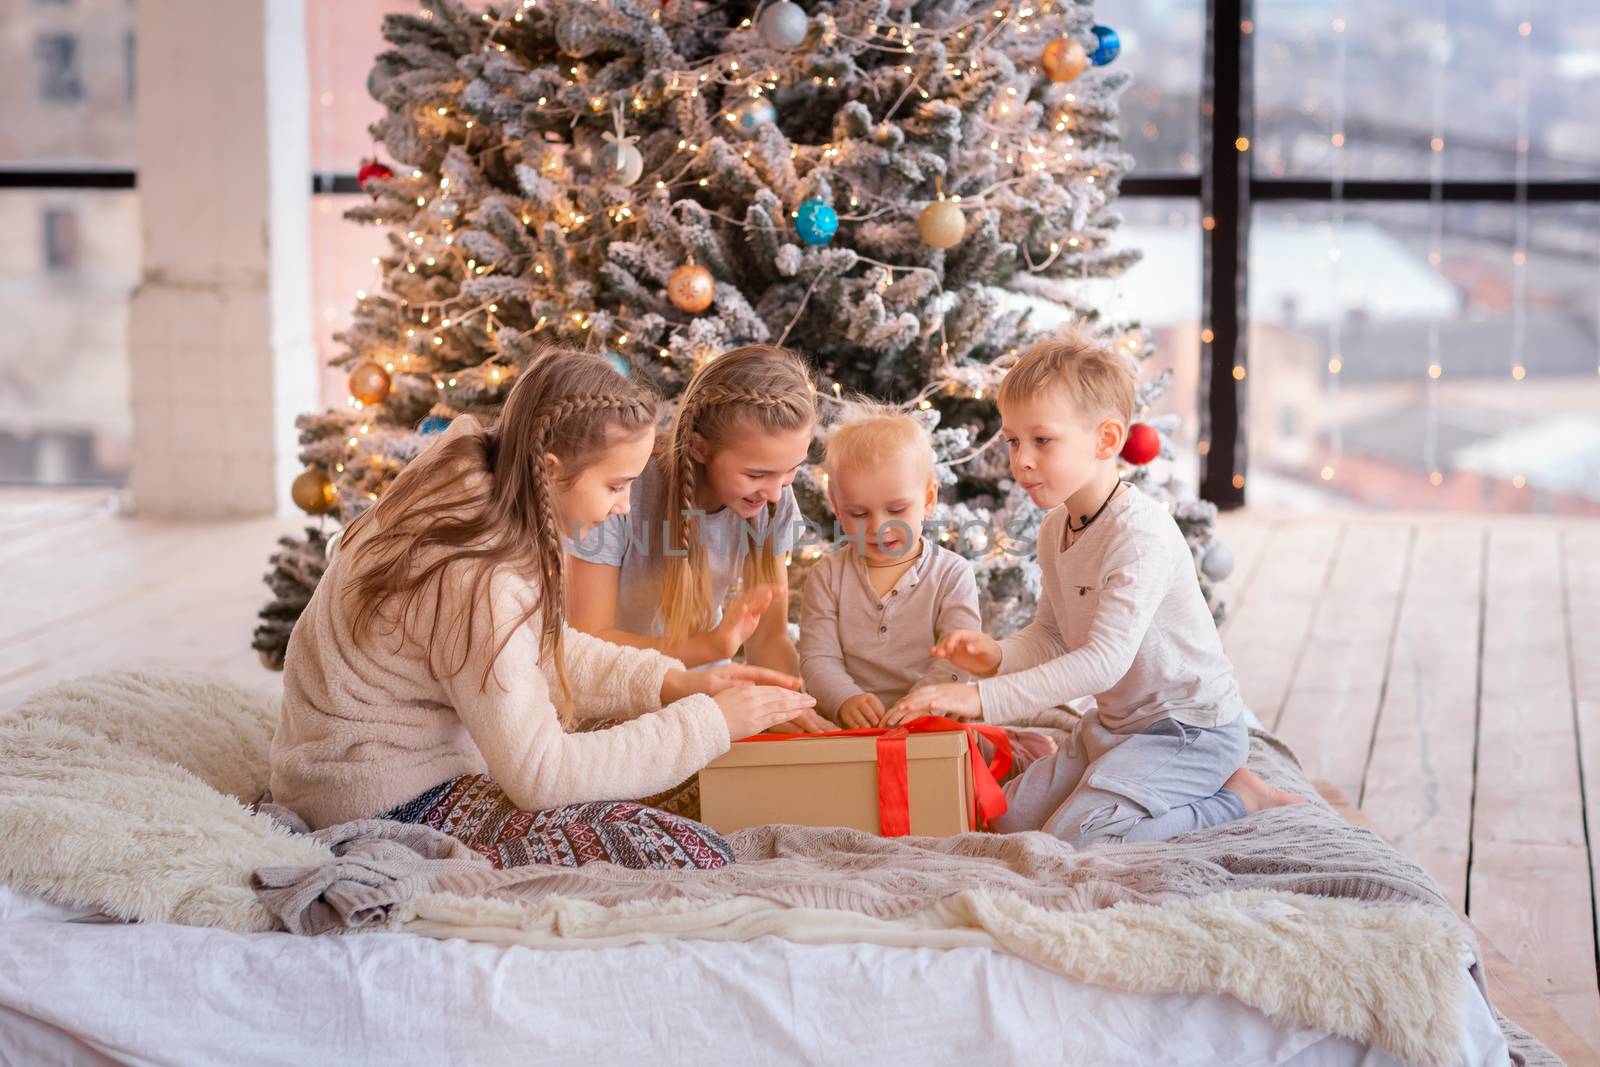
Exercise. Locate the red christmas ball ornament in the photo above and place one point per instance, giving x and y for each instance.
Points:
(1143, 444)
(372, 170)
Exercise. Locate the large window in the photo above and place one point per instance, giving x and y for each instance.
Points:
(1401, 259)
(1383, 380)
(1424, 255)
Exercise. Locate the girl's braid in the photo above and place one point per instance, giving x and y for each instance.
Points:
(733, 394)
(562, 410)
(685, 459)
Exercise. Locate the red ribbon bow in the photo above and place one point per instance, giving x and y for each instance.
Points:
(894, 792)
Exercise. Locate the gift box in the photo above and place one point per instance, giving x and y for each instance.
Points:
(926, 778)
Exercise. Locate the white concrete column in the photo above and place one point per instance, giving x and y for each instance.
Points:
(220, 324)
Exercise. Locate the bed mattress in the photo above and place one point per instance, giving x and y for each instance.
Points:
(77, 991)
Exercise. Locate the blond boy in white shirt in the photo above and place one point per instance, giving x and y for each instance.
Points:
(1121, 616)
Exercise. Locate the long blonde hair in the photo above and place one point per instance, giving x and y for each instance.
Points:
(487, 498)
(758, 387)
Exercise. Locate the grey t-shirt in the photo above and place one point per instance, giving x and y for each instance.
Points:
(636, 543)
(854, 640)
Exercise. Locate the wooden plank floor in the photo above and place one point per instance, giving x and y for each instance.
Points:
(91, 591)
(1511, 991)
(1444, 672)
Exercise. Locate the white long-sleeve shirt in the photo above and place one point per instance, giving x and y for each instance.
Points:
(1121, 616)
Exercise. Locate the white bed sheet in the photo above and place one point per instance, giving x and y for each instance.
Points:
(82, 993)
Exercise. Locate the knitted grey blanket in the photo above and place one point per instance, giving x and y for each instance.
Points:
(1306, 848)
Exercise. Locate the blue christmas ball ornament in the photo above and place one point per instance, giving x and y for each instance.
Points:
(433, 424)
(816, 222)
(618, 363)
(1110, 46)
(379, 79)
(750, 114)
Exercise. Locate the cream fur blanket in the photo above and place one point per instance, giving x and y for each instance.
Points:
(118, 792)
(123, 792)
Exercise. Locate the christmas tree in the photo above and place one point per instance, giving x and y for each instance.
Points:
(884, 186)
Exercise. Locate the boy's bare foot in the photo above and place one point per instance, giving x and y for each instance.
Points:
(1256, 794)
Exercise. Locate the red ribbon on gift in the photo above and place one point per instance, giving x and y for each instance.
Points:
(894, 791)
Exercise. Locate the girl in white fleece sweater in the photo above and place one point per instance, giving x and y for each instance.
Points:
(417, 682)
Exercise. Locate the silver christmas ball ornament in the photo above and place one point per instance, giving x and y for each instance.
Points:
(784, 25)
(1218, 561)
(620, 163)
(750, 114)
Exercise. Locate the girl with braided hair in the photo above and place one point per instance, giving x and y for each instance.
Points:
(433, 678)
(711, 521)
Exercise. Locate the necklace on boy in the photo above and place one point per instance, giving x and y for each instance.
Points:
(1087, 519)
(896, 563)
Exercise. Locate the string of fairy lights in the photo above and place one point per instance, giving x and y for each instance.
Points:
(1520, 216)
(1519, 252)
(1336, 246)
(1438, 53)
(1029, 142)
(1438, 57)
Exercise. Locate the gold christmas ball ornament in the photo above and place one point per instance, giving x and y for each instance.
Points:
(691, 288)
(313, 492)
(942, 224)
(369, 383)
(1063, 59)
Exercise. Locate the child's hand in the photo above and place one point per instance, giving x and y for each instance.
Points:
(861, 712)
(750, 709)
(956, 701)
(977, 654)
(807, 722)
(739, 621)
(676, 685)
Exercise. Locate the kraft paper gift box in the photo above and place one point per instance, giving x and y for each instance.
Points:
(830, 780)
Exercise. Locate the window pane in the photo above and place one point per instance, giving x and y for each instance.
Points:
(342, 37)
(64, 286)
(1396, 64)
(66, 76)
(1426, 409)
(1163, 47)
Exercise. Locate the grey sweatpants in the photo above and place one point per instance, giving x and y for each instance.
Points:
(1106, 787)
